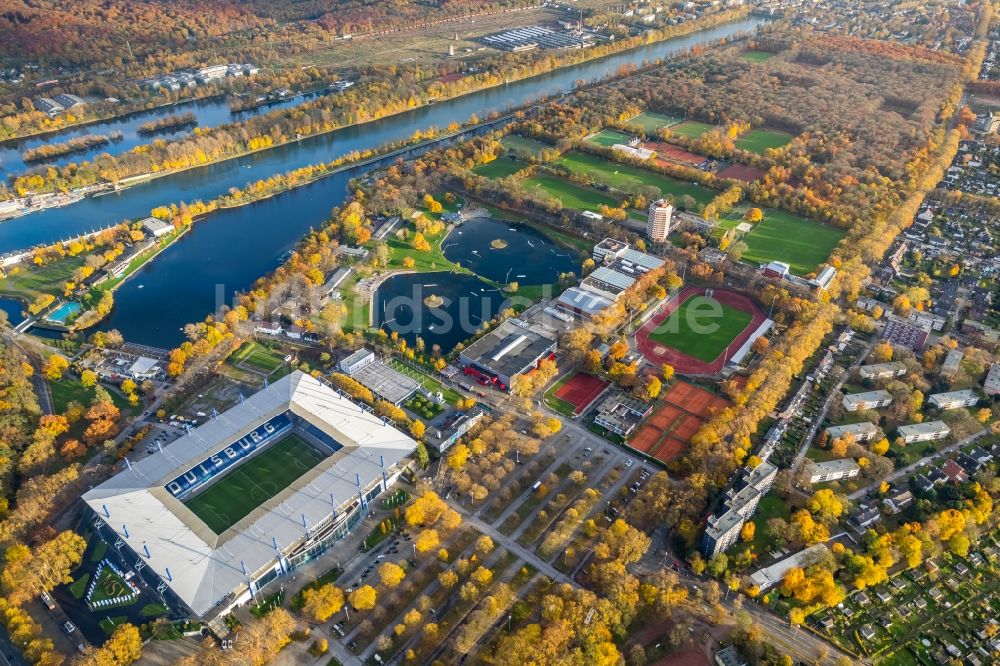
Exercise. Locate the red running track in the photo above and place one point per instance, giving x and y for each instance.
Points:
(658, 354)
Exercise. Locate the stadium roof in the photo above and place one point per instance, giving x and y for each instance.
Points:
(205, 567)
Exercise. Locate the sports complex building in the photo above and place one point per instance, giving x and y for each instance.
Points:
(252, 493)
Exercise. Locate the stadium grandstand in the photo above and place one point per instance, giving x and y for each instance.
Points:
(252, 493)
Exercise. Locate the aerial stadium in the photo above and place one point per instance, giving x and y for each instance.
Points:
(252, 493)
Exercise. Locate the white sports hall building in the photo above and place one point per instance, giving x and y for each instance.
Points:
(352, 457)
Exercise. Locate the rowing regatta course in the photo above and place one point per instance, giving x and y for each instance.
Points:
(225, 252)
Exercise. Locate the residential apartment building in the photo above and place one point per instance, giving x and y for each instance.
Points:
(833, 470)
(882, 370)
(738, 506)
(954, 399)
(924, 432)
(658, 221)
(868, 400)
(862, 432)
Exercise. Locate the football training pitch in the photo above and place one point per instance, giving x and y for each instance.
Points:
(609, 137)
(252, 483)
(652, 121)
(701, 327)
(624, 176)
(781, 236)
(570, 194)
(756, 56)
(524, 144)
(759, 140)
(691, 129)
(499, 168)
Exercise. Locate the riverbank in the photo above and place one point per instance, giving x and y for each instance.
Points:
(476, 83)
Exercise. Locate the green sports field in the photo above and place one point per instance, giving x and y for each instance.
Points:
(651, 121)
(759, 140)
(781, 236)
(624, 175)
(516, 142)
(253, 482)
(713, 334)
(691, 129)
(609, 137)
(756, 56)
(570, 194)
(499, 168)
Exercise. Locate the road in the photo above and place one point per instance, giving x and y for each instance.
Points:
(909, 469)
(834, 393)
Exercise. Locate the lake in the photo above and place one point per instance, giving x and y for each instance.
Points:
(467, 302)
(528, 258)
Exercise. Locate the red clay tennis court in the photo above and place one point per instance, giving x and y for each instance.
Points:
(672, 153)
(747, 174)
(580, 390)
(685, 408)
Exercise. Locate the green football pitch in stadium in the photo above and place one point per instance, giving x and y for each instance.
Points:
(254, 482)
(678, 330)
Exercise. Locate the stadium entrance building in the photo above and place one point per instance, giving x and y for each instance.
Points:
(252, 493)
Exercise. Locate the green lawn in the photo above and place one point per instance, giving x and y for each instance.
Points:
(48, 279)
(691, 129)
(153, 610)
(254, 482)
(759, 140)
(258, 357)
(781, 236)
(571, 194)
(79, 586)
(756, 56)
(108, 624)
(609, 137)
(770, 506)
(499, 168)
(69, 389)
(623, 176)
(516, 142)
(693, 329)
(423, 406)
(423, 262)
(652, 121)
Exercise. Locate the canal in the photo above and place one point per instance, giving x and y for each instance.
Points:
(208, 182)
(230, 249)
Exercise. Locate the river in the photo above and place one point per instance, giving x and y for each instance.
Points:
(229, 250)
(209, 112)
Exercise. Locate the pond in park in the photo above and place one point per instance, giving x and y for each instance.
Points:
(442, 308)
(506, 252)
